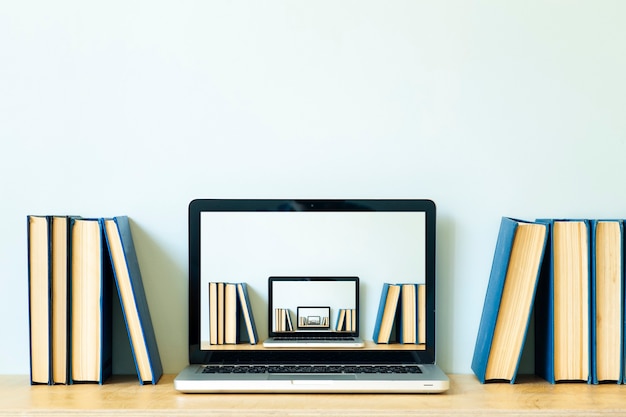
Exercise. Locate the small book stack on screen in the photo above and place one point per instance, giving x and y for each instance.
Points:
(230, 313)
(401, 314)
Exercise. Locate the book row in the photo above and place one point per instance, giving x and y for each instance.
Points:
(401, 314)
(72, 264)
(229, 307)
(570, 273)
(282, 320)
(346, 320)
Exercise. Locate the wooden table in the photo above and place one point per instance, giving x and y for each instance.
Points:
(123, 396)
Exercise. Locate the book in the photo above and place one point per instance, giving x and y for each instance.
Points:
(90, 303)
(278, 320)
(60, 275)
(350, 320)
(39, 266)
(231, 314)
(408, 333)
(562, 308)
(287, 319)
(220, 313)
(213, 313)
(386, 315)
(133, 299)
(340, 324)
(421, 313)
(607, 299)
(507, 309)
(246, 311)
(353, 319)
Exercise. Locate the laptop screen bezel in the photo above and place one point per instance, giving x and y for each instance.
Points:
(389, 355)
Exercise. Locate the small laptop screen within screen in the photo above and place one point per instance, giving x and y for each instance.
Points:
(303, 306)
(378, 247)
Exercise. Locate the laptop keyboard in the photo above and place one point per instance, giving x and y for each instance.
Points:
(312, 369)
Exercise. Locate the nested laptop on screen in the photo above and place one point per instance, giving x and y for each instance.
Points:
(326, 312)
(311, 296)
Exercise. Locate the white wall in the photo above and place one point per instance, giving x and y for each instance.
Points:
(490, 108)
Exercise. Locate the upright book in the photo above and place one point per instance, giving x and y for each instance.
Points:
(90, 303)
(133, 299)
(213, 316)
(508, 302)
(607, 294)
(412, 309)
(39, 286)
(563, 306)
(60, 276)
(408, 314)
(421, 313)
(231, 314)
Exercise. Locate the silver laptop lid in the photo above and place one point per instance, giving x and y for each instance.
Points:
(379, 241)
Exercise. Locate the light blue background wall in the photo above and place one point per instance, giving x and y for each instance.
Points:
(490, 108)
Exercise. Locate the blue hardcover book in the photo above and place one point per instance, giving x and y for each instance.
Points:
(387, 312)
(246, 311)
(133, 299)
(564, 303)
(39, 302)
(408, 314)
(381, 310)
(91, 347)
(517, 260)
(340, 320)
(607, 299)
(60, 277)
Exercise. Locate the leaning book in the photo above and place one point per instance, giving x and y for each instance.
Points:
(387, 313)
(246, 311)
(133, 299)
(509, 299)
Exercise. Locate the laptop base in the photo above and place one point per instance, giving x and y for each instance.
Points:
(193, 380)
(313, 342)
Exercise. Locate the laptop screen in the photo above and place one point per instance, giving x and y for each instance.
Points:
(276, 247)
(313, 307)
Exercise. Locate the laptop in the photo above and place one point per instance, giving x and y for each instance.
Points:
(326, 312)
(298, 259)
